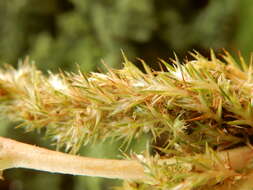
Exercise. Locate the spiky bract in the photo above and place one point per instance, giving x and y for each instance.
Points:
(184, 108)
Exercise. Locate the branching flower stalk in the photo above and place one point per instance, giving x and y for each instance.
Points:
(199, 116)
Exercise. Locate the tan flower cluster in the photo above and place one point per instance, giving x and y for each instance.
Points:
(185, 108)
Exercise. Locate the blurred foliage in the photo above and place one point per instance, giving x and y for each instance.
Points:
(62, 33)
(244, 30)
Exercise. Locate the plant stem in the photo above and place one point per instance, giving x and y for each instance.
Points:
(15, 154)
(237, 158)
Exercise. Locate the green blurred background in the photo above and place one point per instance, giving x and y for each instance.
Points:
(59, 34)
